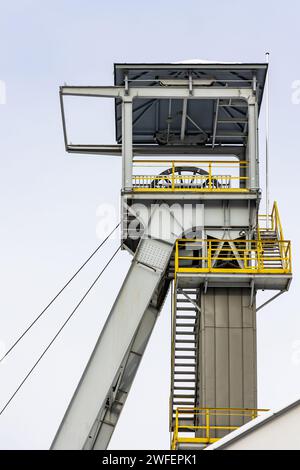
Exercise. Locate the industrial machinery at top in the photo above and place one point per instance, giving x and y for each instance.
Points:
(188, 138)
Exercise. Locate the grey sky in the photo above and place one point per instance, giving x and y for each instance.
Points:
(49, 199)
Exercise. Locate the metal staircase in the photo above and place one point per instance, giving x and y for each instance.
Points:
(184, 352)
(271, 249)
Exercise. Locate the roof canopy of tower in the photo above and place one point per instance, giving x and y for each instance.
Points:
(206, 122)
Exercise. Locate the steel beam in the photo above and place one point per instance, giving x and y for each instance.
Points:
(161, 92)
(183, 119)
(147, 150)
(127, 142)
(252, 147)
(215, 123)
(105, 424)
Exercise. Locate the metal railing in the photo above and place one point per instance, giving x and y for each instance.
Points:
(232, 256)
(207, 423)
(190, 175)
(270, 223)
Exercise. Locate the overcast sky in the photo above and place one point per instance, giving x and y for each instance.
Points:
(49, 199)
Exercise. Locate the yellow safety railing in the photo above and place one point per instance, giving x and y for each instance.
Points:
(271, 223)
(190, 175)
(208, 425)
(233, 256)
(268, 225)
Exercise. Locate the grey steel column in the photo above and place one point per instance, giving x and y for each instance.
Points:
(227, 373)
(252, 148)
(127, 142)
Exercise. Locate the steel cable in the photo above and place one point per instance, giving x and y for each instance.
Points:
(59, 331)
(57, 295)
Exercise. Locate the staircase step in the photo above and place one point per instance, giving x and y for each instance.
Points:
(268, 233)
(185, 341)
(184, 325)
(185, 357)
(184, 380)
(186, 309)
(186, 317)
(271, 254)
(183, 396)
(185, 364)
(185, 388)
(270, 261)
(190, 291)
(184, 403)
(190, 324)
(185, 332)
(184, 372)
(271, 250)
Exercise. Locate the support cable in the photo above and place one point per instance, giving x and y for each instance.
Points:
(57, 295)
(59, 331)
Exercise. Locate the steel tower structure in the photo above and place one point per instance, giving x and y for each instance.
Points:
(188, 138)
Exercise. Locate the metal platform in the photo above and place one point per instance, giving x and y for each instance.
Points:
(258, 281)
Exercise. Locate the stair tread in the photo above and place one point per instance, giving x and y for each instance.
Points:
(184, 380)
(188, 373)
(185, 364)
(176, 395)
(185, 357)
(186, 309)
(183, 403)
(185, 388)
(185, 341)
(188, 316)
(185, 333)
(190, 291)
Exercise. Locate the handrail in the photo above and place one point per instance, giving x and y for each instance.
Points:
(272, 223)
(207, 426)
(274, 220)
(232, 256)
(278, 225)
(225, 162)
(209, 178)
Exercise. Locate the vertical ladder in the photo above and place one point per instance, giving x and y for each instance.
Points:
(184, 352)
